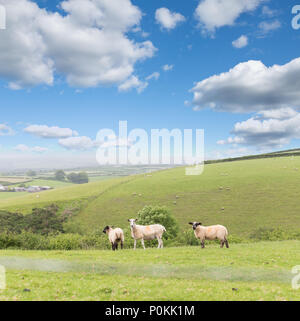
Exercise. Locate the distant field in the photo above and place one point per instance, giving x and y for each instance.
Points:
(60, 196)
(258, 271)
(13, 179)
(51, 183)
(243, 195)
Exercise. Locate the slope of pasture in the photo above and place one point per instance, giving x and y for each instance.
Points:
(256, 271)
(24, 204)
(243, 195)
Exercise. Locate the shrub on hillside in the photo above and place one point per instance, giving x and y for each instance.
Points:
(159, 215)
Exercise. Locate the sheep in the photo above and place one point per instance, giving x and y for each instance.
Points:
(148, 233)
(210, 233)
(115, 236)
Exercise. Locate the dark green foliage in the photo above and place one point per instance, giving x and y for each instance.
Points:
(11, 222)
(60, 175)
(40, 221)
(44, 220)
(159, 215)
(80, 178)
(31, 173)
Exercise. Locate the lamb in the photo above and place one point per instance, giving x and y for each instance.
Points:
(149, 232)
(115, 236)
(210, 233)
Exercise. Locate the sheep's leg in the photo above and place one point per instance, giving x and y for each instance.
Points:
(161, 244)
(122, 245)
(203, 244)
(134, 245)
(117, 244)
(222, 244)
(113, 246)
(227, 245)
(142, 240)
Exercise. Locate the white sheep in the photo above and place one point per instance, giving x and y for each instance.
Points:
(115, 236)
(148, 233)
(210, 233)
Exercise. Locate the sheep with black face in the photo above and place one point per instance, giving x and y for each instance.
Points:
(115, 236)
(214, 232)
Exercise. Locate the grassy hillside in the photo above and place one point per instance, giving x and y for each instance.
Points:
(243, 195)
(260, 271)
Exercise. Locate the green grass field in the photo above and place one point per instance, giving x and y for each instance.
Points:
(259, 271)
(244, 196)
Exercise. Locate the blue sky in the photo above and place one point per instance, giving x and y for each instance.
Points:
(46, 81)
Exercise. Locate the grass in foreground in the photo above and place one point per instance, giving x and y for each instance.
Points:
(259, 271)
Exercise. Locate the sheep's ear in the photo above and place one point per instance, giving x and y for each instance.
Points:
(128, 220)
(191, 223)
(199, 224)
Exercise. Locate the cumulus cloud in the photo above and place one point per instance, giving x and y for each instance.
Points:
(77, 143)
(213, 14)
(167, 19)
(277, 130)
(241, 42)
(24, 148)
(133, 82)
(266, 27)
(6, 130)
(167, 67)
(154, 75)
(45, 131)
(250, 87)
(86, 143)
(87, 43)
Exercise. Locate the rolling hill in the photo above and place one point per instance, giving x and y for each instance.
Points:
(244, 195)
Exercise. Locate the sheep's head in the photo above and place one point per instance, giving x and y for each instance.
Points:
(195, 224)
(132, 222)
(106, 229)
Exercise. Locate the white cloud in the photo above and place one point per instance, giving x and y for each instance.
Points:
(6, 130)
(45, 131)
(133, 82)
(77, 143)
(167, 67)
(213, 14)
(267, 11)
(154, 75)
(86, 143)
(24, 148)
(251, 87)
(276, 131)
(231, 140)
(266, 27)
(167, 19)
(241, 42)
(283, 113)
(87, 43)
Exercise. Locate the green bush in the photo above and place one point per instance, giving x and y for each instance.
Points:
(159, 215)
